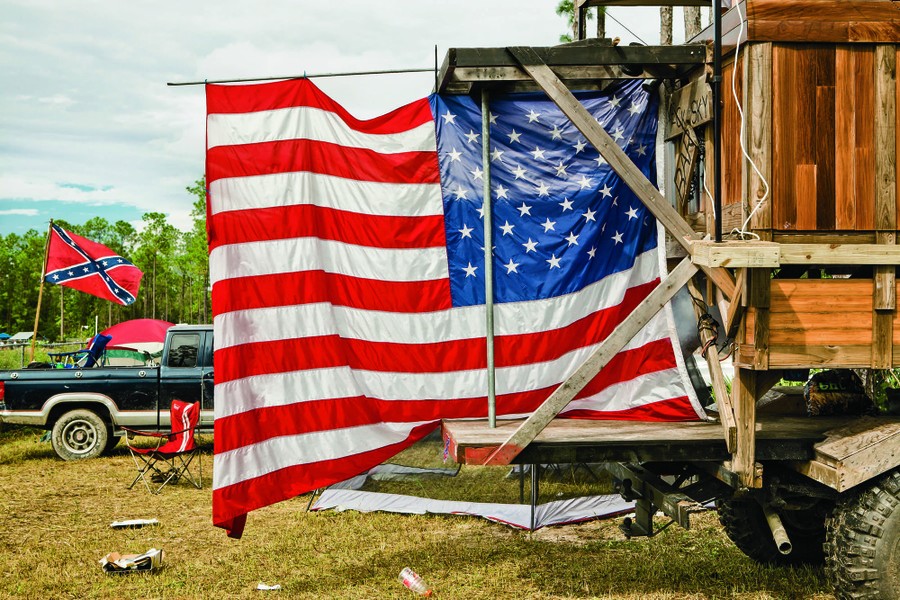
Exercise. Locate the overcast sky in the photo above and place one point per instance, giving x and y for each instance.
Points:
(89, 128)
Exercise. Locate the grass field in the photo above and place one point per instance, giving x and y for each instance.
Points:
(55, 516)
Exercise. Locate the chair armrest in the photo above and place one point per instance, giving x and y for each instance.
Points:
(153, 434)
(184, 430)
(160, 437)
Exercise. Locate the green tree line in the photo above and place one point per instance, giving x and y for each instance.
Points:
(174, 287)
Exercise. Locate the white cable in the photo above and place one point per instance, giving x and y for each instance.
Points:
(737, 54)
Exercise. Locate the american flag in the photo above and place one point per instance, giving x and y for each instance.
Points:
(348, 277)
(89, 267)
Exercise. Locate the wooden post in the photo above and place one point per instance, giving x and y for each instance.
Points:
(744, 392)
(758, 138)
(758, 292)
(749, 377)
(884, 287)
(37, 313)
(579, 25)
(605, 352)
(735, 310)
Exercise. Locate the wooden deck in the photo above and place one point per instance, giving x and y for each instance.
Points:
(571, 440)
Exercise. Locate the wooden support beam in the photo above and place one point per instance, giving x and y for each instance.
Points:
(839, 254)
(758, 107)
(645, 3)
(580, 26)
(758, 298)
(605, 352)
(884, 286)
(732, 316)
(744, 390)
(557, 91)
(754, 254)
(738, 254)
(885, 137)
(580, 61)
(723, 398)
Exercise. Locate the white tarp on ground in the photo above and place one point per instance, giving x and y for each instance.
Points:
(347, 496)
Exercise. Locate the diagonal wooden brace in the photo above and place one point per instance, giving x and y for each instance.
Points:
(611, 346)
(655, 202)
(723, 397)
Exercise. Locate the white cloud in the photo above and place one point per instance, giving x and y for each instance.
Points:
(25, 212)
(58, 99)
(90, 105)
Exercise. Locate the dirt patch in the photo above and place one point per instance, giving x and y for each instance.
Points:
(581, 534)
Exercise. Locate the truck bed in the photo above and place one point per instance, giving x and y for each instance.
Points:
(832, 450)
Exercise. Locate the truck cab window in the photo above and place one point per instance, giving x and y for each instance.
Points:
(183, 350)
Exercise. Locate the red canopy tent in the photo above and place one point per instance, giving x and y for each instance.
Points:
(137, 335)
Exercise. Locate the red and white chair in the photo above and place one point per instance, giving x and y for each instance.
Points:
(171, 458)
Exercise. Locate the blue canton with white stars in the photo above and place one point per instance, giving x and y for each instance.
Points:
(562, 219)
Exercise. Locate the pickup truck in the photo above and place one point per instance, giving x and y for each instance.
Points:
(84, 408)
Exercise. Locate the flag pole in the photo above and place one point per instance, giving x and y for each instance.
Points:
(488, 255)
(37, 314)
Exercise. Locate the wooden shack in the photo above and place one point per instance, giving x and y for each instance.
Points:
(817, 82)
(806, 273)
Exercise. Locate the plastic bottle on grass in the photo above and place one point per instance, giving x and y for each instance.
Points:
(414, 582)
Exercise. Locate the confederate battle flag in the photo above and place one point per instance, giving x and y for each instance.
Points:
(79, 263)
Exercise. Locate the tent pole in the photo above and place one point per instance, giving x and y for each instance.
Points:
(488, 255)
(37, 314)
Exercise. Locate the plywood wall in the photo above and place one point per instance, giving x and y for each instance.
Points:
(823, 137)
(820, 323)
(819, 152)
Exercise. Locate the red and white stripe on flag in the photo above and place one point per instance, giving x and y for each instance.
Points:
(337, 344)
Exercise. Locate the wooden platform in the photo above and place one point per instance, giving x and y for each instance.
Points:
(854, 453)
(581, 65)
(571, 440)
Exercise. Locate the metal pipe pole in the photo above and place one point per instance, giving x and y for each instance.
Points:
(304, 76)
(37, 313)
(488, 255)
(717, 117)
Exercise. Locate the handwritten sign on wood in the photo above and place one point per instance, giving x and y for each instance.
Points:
(691, 106)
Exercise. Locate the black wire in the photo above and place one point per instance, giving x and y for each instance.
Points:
(624, 27)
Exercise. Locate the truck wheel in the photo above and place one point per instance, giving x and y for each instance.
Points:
(111, 442)
(80, 434)
(745, 524)
(863, 547)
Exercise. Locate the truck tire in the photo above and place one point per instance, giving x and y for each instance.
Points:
(863, 547)
(745, 524)
(111, 442)
(80, 434)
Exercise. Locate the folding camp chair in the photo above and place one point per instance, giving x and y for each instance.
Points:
(170, 459)
(84, 358)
